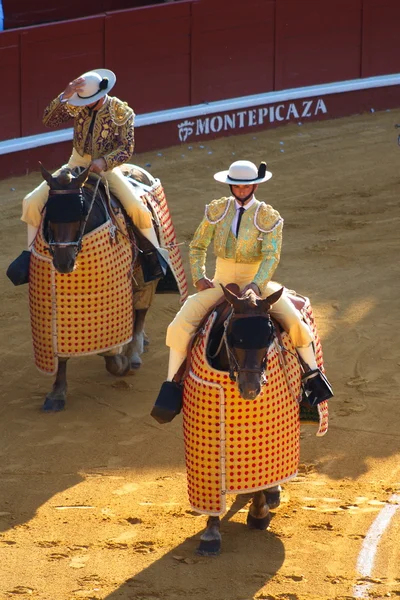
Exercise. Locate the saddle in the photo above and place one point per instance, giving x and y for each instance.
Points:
(222, 308)
(145, 255)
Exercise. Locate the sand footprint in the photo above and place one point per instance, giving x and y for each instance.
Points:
(21, 589)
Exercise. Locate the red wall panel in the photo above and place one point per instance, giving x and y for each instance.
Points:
(381, 48)
(23, 13)
(149, 50)
(52, 55)
(10, 98)
(232, 49)
(317, 41)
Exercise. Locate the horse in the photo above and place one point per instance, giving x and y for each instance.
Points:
(78, 219)
(241, 395)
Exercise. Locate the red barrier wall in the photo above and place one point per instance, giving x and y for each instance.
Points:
(23, 13)
(232, 49)
(151, 48)
(52, 55)
(317, 41)
(190, 52)
(381, 48)
(10, 98)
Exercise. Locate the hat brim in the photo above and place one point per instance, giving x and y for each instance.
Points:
(75, 100)
(223, 177)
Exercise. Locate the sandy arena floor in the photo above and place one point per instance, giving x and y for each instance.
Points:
(93, 500)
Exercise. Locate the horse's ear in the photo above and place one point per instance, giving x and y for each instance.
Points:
(46, 175)
(80, 180)
(270, 300)
(229, 295)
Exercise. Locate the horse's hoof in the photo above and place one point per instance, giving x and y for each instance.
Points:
(273, 499)
(209, 548)
(254, 523)
(117, 365)
(53, 404)
(135, 363)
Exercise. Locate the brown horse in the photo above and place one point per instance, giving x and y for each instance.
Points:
(242, 352)
(74, 210)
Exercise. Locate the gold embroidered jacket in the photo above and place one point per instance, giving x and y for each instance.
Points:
(259, 239)
(113, 131)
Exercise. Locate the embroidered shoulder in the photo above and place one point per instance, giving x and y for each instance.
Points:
(120, 112)
(216, 210)
(266, 218)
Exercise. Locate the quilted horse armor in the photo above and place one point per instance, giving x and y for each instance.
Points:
(240, 446)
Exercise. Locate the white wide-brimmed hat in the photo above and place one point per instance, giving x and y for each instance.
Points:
(244, 172)
(96, 85)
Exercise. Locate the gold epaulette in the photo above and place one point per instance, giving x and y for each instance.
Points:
(267, 218)
(216, 210)
(120, 112)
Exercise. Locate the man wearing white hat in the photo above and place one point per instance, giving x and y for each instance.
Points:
(103, 139)
(247, 238)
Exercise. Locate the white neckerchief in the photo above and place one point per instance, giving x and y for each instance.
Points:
(238, 205)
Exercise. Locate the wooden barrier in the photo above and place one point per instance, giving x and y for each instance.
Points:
(149, 50)
(317, 41)
(192, 52)
(232, 49)
(52, 55)
(10, 98)
(381, 48)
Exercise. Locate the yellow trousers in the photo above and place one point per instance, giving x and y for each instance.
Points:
(227, 271)
(119, 186)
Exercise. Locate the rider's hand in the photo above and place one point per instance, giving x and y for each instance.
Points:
(98, 166)
(204, 284)
(73, 87)
(252, 286)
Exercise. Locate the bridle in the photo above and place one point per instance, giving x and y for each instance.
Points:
(77, 244)
(234, 368)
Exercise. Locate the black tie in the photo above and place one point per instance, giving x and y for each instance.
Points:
(240, 215)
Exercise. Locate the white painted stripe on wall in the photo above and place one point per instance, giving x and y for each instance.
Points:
(231, 104)
(369, 547)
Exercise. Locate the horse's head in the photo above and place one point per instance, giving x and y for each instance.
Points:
(249, 334)
(66, 216)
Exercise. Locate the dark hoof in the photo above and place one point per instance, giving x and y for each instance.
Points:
(53, 404)
(209, 548)
(117, 365)
(273, 499)
(253, 523)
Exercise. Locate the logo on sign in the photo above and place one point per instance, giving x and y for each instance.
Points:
(301, 109)
(185, 130)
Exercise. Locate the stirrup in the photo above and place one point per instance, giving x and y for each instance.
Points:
(316, 389)
(168, 403)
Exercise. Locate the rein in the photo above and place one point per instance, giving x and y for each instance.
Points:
(234, 367)
(78, 242)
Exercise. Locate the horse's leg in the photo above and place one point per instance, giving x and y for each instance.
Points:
(210, 544)
(273, 496)
(135, 348)
(258, 516)
(116, 362)
(146, 341)
(55, 400)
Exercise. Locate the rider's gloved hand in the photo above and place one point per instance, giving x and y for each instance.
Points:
(98, 165)
(204, 284)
